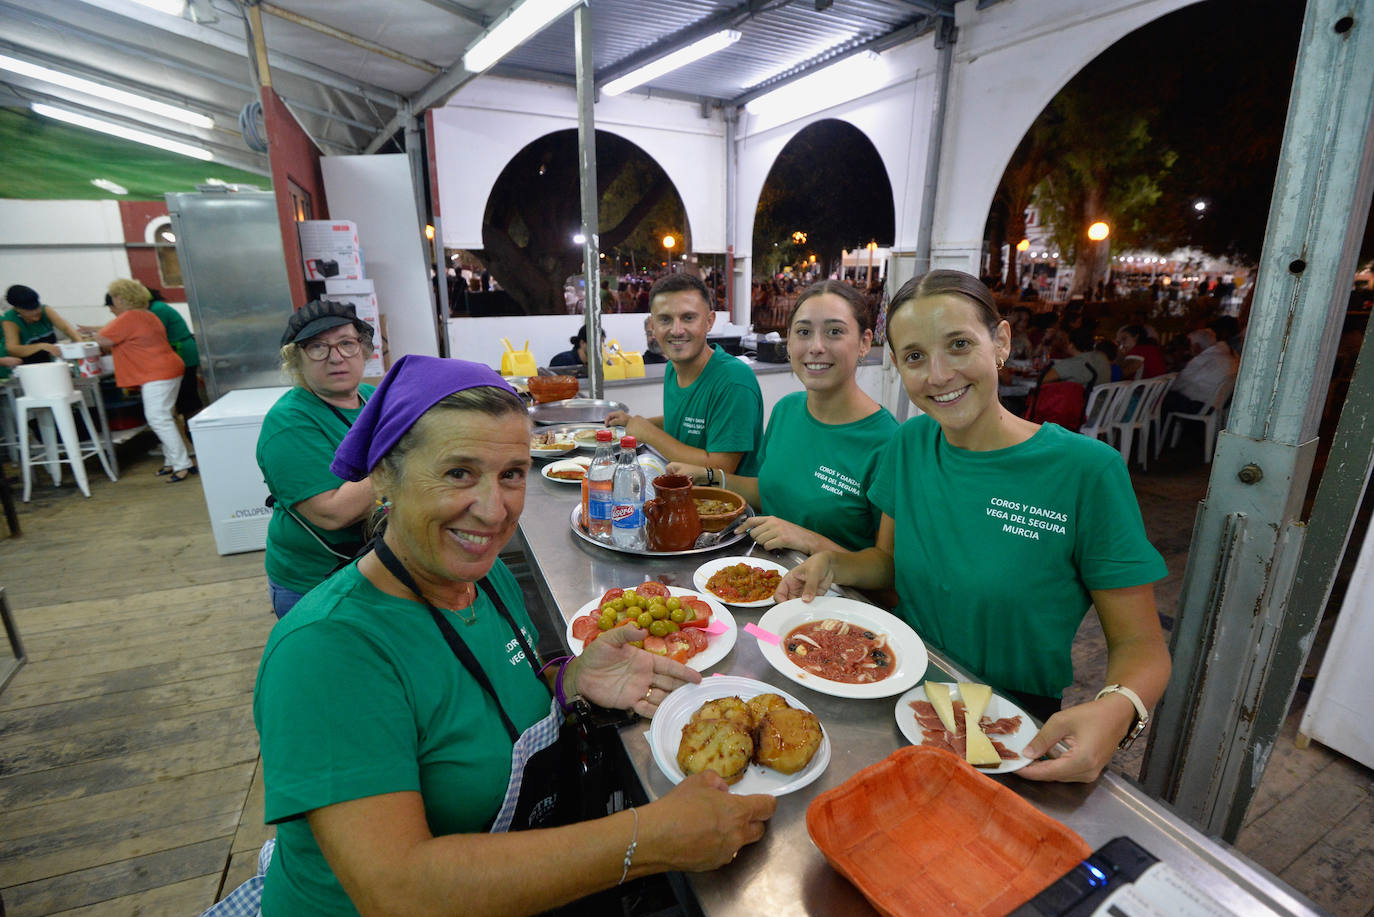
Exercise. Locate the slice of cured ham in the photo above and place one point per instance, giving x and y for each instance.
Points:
(934, 734)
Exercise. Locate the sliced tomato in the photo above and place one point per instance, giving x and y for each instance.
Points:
(696, 637)
(585, 628)
(651, 588)
(656, 645)
(680, 653)
(610, 596)
(701, 612)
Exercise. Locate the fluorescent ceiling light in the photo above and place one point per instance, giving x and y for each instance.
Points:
(670, 62)
(523, 21)
(101, 91)
(170, 7)
(104, 184)
(119, 130)
(841, 81)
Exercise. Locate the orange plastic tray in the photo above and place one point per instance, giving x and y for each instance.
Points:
(922, 832)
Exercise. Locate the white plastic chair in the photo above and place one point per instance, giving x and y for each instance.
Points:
(1140, 416)
(1210, 415)
(1104, 401)
(50, 396)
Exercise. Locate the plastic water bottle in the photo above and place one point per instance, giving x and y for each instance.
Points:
(599, 477)
(627, 497)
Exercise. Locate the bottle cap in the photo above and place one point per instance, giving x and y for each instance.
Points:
(605, 436)
(628, 442)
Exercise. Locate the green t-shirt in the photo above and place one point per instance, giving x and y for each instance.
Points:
(4, 370)
(31, 331)
(359, 695)
(817, 475)
(295, 446)
(995, 552)
(178, 335)
(721, 411)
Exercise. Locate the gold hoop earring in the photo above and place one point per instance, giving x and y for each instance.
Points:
(1001, 362)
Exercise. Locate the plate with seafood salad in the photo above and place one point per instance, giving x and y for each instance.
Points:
(758, 738)
(843, 647)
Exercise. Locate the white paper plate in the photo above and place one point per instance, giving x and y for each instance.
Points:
(552, 452)
(719, 647)
(576, 482)
(586, 437)
(665, 734)
(998, 708)
(708, 569)
(908, 648)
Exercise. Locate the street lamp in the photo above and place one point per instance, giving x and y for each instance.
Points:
(799, 237)
(1023, 245)
(579, 239)
(1098, 231)
(669, 242)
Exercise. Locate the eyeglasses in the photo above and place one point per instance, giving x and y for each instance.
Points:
(319, 350)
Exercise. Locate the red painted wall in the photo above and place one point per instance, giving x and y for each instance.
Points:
(135, 217)
(294, 158)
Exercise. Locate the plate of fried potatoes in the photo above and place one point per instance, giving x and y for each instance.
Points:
(731, 724)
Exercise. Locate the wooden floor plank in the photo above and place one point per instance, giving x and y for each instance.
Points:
(78, 615)
(181, 899)
(252, 833)
(1284, 833)
(144, 765)
(1342, 863)
(32, 687)
(102, 884)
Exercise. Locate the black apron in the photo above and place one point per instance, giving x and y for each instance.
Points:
(543, 788)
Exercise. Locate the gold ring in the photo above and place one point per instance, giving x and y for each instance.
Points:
(648, 692)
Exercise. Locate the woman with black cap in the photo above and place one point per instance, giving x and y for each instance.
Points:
(412, 744)
(31, 328)
(316, 516)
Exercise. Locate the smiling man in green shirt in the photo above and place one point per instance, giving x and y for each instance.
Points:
(712, 406)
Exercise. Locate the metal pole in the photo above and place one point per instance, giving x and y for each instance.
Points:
(1235, 642)
(945, 36)
(586, 159)
(415, 156)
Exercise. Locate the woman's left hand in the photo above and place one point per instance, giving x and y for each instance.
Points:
(612, 673)
(775, 532)
(1091, 732)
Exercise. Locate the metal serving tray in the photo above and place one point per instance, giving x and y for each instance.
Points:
(575, 410)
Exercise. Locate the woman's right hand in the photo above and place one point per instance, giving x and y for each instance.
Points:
(807, 579)
(52, 349)
(702, 825)
(696, 472)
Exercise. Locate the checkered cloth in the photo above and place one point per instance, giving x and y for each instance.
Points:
(535, 739)
(246, 900)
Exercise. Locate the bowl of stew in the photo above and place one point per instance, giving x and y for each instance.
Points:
(716, 506)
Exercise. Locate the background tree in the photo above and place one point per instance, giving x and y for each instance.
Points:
(830, 183)
(535, 209)
(1016, 193)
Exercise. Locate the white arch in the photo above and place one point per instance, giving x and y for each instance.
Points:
(484, 126)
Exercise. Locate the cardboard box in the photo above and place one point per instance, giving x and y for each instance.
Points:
(339, 264)
(327, 235)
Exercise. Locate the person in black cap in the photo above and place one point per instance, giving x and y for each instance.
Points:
(31, 328)
(577, 356)
(316, 516)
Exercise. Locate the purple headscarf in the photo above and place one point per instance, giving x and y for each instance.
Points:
(412, 386)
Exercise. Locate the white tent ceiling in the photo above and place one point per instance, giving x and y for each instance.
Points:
(351, 71)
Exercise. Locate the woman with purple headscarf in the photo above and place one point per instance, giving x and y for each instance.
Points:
(408, 736)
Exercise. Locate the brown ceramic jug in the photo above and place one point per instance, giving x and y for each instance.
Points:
(670, 519)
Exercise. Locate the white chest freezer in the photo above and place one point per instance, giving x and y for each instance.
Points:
(226, 438)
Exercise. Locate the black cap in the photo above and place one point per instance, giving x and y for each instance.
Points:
(318, 316)
(22, 297)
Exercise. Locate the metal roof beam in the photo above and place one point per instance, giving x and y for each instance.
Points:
(931, 7)
(125, 47)
(879, 44)
(238, 47)
(461, 11)
(725, 19)
(357, 41)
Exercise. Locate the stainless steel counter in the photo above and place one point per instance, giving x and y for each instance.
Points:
(784, 873)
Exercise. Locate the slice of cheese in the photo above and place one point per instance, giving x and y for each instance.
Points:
(938, 695)
(978, 749)
(976, 698)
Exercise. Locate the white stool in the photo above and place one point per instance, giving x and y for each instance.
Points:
(48, 392)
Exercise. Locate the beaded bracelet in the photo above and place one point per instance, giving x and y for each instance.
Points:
(630, 850)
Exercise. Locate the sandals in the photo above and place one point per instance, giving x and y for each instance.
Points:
(176, 477)
(165, 470)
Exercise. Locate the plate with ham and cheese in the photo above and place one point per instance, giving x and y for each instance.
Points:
(936, 714)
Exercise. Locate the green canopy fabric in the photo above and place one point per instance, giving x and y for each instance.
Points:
(42, 159)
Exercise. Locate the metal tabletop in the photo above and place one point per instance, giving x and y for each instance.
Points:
(784, 873)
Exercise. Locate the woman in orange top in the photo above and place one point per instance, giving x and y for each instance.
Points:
(142, 357)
